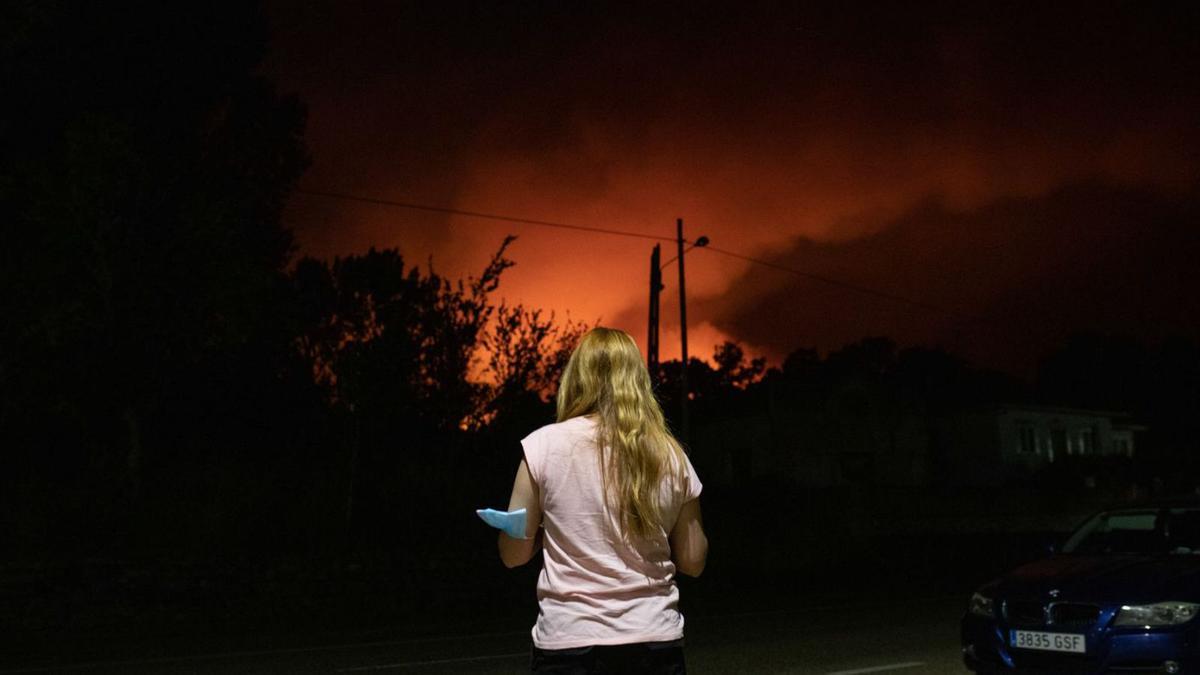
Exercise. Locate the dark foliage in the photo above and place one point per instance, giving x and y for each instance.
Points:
(143, 174)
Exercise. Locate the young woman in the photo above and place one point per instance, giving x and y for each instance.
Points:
(612, 499)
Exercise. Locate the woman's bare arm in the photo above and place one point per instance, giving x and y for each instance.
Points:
(525, 495)
(689, 545)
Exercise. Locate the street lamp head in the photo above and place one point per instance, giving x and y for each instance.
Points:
(702, 241)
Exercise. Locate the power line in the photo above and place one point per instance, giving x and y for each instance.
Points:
(477, 214)
(622, 233)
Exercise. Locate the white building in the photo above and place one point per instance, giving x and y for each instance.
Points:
(985, 445)
(1035, 435)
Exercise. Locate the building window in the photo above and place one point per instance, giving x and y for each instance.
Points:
(1087, 441)
(1058, 443)
(1026, 440)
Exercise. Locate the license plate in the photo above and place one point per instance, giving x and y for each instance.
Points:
(1048, 642)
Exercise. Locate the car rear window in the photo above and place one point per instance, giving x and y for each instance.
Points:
(1133, 522)
(1174, 530)
(1118, 532)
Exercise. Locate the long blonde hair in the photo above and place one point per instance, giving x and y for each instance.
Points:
(605, 376)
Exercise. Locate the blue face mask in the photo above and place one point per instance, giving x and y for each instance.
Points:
(511, 523)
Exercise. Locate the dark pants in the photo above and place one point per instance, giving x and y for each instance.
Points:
(642, 658)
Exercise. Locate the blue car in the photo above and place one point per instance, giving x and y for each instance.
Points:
(1122, 596)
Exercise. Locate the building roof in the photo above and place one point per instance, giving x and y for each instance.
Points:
(1062, 410)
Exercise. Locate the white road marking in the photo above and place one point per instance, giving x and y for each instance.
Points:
(411, 664)
(879, 669)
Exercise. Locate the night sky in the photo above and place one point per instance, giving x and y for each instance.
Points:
(1027, 169)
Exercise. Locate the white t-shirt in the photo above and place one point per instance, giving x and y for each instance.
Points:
(597, 588)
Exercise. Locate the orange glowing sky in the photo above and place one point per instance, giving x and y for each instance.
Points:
(930, 153)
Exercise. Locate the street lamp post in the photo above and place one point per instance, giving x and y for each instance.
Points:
(683, 402)
(655, 287)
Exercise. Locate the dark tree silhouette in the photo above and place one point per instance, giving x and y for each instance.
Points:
(389, 341)
(143, 174)
(412, 364)
(395, 350)
(527, 353)
(732, 369)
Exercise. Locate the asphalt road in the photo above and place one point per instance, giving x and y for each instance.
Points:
(906, 637)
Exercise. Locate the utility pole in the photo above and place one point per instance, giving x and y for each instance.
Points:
(683, 380)
(656, 286)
